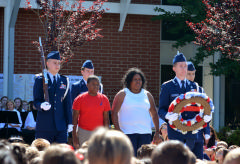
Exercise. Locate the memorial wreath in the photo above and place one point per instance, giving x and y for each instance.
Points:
(191, 102)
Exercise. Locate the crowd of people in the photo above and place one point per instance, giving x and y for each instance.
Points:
(142, 133)
(106, 146)
(26, 119)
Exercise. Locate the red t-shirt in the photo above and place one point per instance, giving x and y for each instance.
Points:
(91, 110)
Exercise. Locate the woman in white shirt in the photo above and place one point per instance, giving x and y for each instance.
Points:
(29, 128)
(10, 128)
(133, 108)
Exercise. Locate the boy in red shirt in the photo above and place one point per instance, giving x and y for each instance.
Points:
(90, 110)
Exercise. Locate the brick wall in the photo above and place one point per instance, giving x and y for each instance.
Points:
(137, 46)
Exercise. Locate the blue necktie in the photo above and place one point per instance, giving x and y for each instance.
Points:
(183, 86)
(54, 83)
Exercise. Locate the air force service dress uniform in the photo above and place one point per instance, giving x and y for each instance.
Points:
(205, 131)
(81, 86)
(169, 91)
(52, 124)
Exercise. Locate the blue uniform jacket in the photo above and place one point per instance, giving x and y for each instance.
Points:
(60, 114)
(205, 130)
(79, 88)
(169, 91)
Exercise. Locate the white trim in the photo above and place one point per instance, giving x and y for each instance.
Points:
(138, 9)
(3, 3)
(123, 14)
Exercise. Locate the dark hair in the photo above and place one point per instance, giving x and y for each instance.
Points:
(145, 151)
(3, 97)
(127, 79)
(213, 138)
(92, 77)
(20, 107)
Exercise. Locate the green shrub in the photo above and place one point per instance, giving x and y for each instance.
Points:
(231, 136)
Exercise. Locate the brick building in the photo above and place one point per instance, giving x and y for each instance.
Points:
(138, 45)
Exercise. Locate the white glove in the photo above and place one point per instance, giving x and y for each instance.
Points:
(70, 128)
(45, 106)
(207, 136)
(171, 116)
(207, 118)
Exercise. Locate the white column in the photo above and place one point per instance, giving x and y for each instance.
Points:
(7, 11)
(216, 96)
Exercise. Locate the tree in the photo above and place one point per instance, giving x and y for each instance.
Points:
(67, 24)
(215, 28)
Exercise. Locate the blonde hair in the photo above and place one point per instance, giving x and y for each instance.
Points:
(41, 144)
(109, 147)
(232, 157)
(10, 101)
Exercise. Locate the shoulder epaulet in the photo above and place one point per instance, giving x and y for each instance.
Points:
(167, 81)
(38, 75)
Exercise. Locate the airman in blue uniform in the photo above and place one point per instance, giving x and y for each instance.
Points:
(54, 116)
(203, 133)
(169, 91)
(81, 86)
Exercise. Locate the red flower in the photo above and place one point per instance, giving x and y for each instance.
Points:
(189, 123)
(205, 125)
(171, 108)
(208, 100)
(198, 118)
(178, 100)
(172, 126)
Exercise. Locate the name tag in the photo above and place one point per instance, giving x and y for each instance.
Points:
(174, 95)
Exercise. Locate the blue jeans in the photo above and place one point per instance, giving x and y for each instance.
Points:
(138, 140)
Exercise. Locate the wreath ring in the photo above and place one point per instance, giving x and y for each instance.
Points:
(179, 103)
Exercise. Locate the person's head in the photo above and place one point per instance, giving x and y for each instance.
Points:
(145, 150)
(41, 144)
(18, 103)
(16, 139)
(31, 106)
(180, 66)
(233, 147)
(59, 155)
(4, 100)
(213, 137)
(134, 80)
(220, 155)
(32, 152)
(191, 71)
(222, 143)
(37, 160)
(10, 105)
(163, 130)
(53, 62)
(109, 147)
(7, 157)
(87, 69)
(171, 152)
(19, 151)
(25, 105)
(233, 157)
(93, 84)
